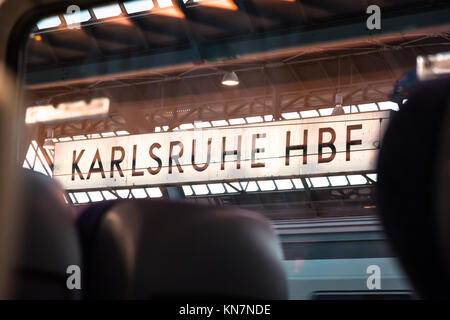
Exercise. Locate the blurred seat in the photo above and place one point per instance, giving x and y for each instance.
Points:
(409, 189)
(141, 249)
(48, 242)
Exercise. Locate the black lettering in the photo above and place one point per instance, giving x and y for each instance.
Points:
(329, 144)
(257, 150)
(116, 162)
(303, 147)
(134, 172)
(100, 166)
(236, 152)
(208, 157)
(351, 142)
(156, 158)
(175, 158)
(75, 167)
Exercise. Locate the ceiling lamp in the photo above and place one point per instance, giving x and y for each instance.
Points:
(338, 110)
(49, 144)
(230, 79)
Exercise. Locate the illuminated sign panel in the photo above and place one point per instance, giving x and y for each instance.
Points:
(316, 146)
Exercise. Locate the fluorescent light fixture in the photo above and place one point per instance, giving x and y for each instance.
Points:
(326, 111)
(284, 184)
(77, 17)
(231, 189)
(122, 133)
(298, 183)
(95, 196)
(219, 123)
(109, 195)
(108, 134)
(254, 119)
(309, 113)
(266, 185)
(236, 185)
(123, 193)
(357, 179)
(268, 117)
(186, 126)
(337, 181)
(290, 115)
(112, 10)
(237, 121)
(139, 193)
(71, 110)
(388, 105)
(81, 197)
(200, 189)
(93, 136)
(187, 190)
(368, 107)
(72, 198)
(79, 138)
(165, 3)
(216, 188)
(308, 182)
(64, 139)
(154, 192)
(319, 182)
(372, 176)
(200, 124)
(138, 6)
(230, 79)
(251, 186)
(350, 109)
(49, 22)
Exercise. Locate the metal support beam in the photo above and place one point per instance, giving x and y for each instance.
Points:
(392, 24)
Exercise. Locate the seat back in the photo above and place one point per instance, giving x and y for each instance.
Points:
(48, 242)
(408, 188)
(166, 250)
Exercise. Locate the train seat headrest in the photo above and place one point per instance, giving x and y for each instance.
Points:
(408, 187)
(144, 249)
(48, 242)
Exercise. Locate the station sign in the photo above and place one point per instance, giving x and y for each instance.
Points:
(289, 148)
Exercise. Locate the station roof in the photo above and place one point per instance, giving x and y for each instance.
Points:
(162, 66)
(139, 36)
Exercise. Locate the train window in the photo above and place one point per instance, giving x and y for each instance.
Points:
(272, 106)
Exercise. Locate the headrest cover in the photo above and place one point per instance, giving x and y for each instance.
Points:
(48, 241)
(165, 250)
(407, 187)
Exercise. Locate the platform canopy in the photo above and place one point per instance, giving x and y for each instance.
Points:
(160, 64)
